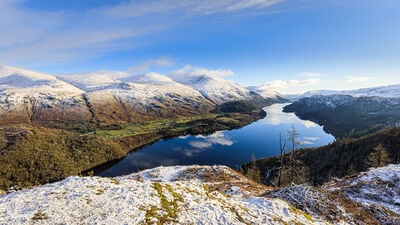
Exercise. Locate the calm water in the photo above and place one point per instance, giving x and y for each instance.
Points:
(231, 148)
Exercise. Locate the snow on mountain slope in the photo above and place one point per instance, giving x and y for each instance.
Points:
(391, 91)
(171, 195)
(147, 96)
(215, 89)
(22, 82)
(265, 92)
(96, 80)
(26, 96)
(150, 78)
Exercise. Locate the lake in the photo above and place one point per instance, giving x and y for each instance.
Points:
(230, 147)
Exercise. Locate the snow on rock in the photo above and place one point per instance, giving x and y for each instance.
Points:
(371, 197)
(391, 91)
(377, 187)
(170, 195)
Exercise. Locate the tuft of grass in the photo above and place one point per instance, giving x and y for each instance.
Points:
(206, 188)
(300, 212)
(113, 180)
(99, 191)
(151, 213)
(177, 196)
(39, 216)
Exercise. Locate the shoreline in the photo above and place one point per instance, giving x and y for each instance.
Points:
(197, 128)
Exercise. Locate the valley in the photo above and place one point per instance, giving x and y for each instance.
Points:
(111, 125)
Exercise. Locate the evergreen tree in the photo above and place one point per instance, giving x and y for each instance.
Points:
(378, 157)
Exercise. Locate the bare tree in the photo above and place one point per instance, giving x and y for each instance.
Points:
(253, 171)
(282, 152)
(294, 140)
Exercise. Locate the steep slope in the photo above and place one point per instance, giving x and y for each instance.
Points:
(391, 91)
(265, 92)
(116, 99)
(348, 116)
(369, 198)
(94, 81)
(31, 97)
(339, 159)
(215, 89)
(164, 195)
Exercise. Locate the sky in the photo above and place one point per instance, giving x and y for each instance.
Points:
(290, 46)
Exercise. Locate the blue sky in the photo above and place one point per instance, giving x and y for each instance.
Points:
(292, 46)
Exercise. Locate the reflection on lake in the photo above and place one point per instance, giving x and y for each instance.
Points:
(231, 148)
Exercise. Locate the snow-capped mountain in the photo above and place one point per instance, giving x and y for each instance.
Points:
(215, 89)
(146, 96)
(26, 96)
(391, 91)
(265, 92)
(94, 81)
(25, 82)
(111, 97)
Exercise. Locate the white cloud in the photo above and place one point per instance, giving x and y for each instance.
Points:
(307, 143)
(217, 138)
(190, 70)
(200, 144)
(357, 79)
(281, 85)
(32, 35)
(311, 138)
(148, 64)
(185, 7)
(309, 74)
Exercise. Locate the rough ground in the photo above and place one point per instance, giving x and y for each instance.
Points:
(164, 195)
(205, 195)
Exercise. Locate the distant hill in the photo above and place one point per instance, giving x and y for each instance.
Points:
(390, 91)
(111, 99)
(348, 116)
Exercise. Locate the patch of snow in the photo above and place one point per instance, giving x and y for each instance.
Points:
(391, 91)
(215, 89)
(158, 196)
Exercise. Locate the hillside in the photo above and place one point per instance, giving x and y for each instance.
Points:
(368, 198)
(110, 100)
(53, 127)
(342, 158)
(390, 91)
(31, 97)
(348, 116)
(204, 195)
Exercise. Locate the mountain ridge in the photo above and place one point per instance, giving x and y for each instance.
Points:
(109, 98)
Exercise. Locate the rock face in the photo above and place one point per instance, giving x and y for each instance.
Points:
(164, 195)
